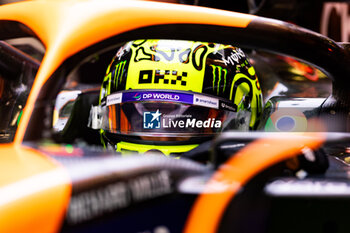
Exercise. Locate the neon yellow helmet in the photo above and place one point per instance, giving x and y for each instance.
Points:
(171, 95)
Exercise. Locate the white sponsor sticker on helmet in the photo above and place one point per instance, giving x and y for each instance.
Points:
(114, 99)
(205, 101)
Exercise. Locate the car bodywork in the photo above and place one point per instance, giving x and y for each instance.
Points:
(51, 188)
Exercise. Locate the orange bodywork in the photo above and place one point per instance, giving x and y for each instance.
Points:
(238, 170)
(66, 27)
(34, 191)
(40, 187)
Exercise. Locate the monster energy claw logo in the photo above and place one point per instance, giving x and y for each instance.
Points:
(221, 74)
(118, 72)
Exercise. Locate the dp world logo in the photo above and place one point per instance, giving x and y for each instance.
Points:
(151, 120)
(137, 96)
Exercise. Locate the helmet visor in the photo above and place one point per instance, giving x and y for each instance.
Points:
(163, 113)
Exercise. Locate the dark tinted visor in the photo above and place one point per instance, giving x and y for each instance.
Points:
(164, 113)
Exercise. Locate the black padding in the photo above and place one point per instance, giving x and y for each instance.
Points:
(77, 124)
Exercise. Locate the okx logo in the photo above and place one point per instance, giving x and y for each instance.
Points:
(151, 120)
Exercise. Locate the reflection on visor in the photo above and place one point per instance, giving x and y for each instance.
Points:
(162, 113)
(163, 118)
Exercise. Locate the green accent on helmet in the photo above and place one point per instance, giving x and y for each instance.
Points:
(244, 87)
(19, 117)
(127, 147)
(251, 71)
(118, 75)
(221, 72)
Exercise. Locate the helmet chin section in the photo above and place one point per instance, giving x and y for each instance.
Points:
(171, 150)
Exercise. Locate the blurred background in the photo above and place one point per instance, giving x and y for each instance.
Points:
(324, 16)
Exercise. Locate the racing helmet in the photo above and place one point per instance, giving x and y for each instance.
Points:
(172, 95)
